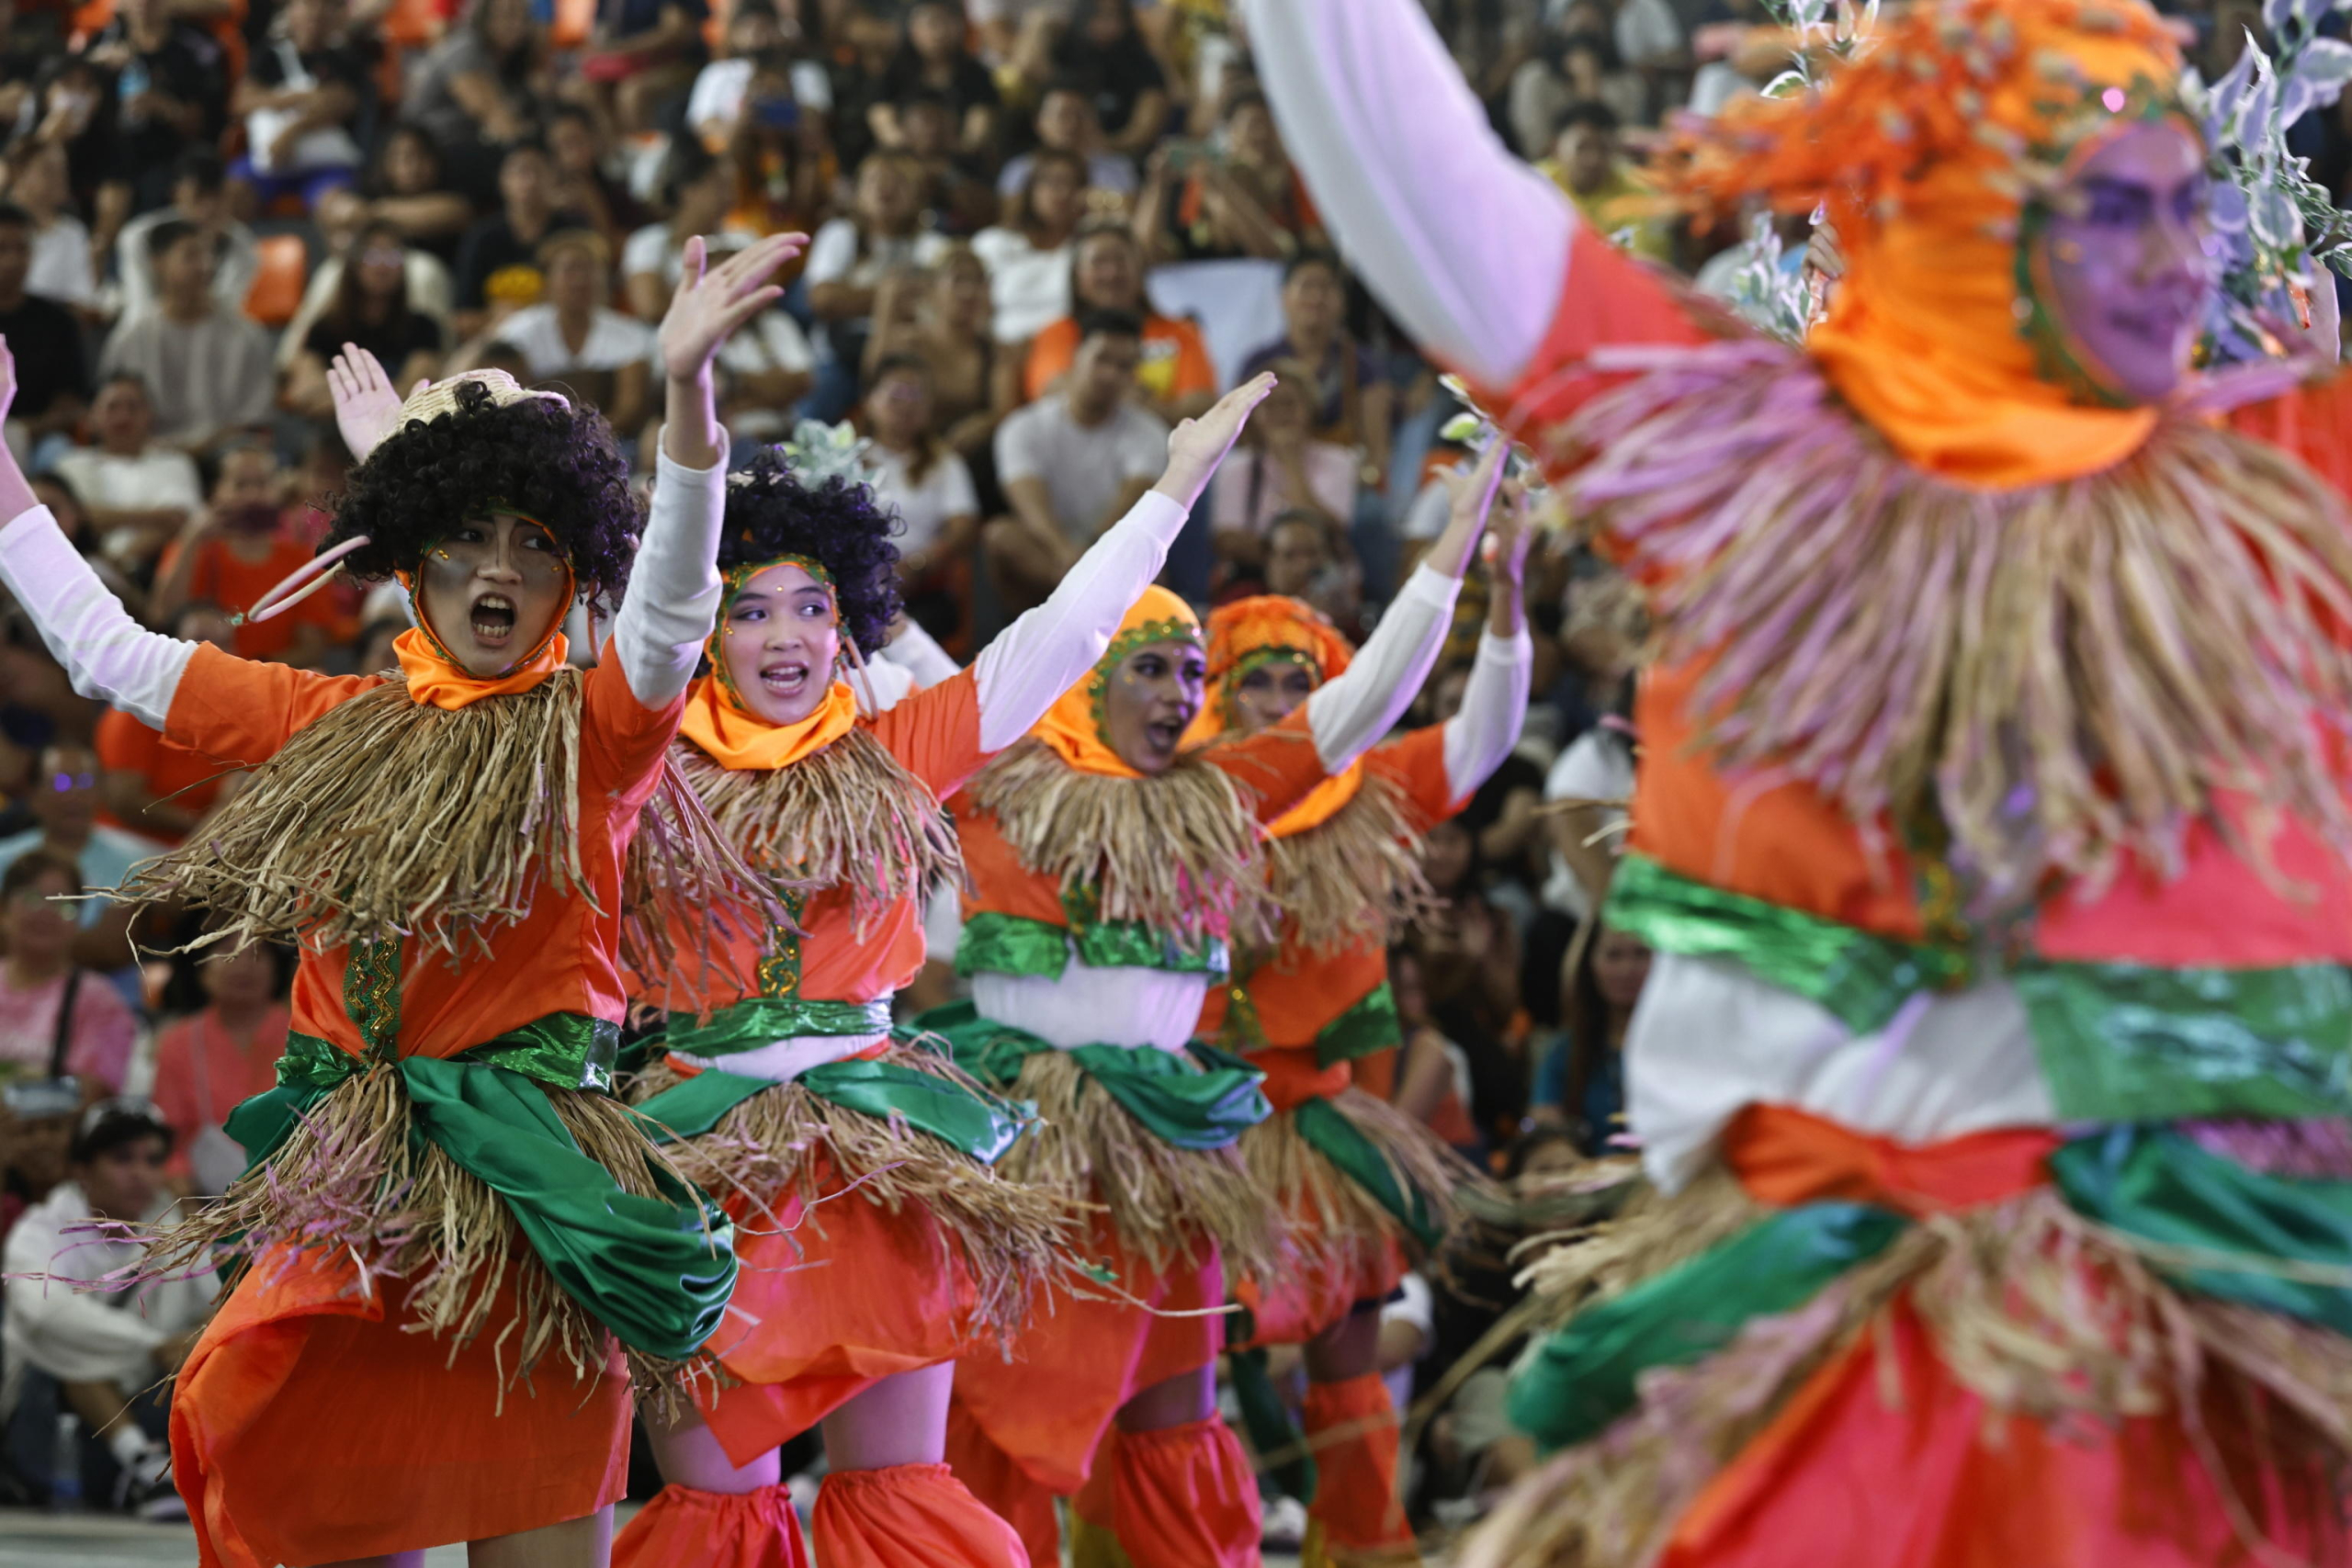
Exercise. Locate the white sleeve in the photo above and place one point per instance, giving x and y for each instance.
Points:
(1348, 716)
(915, 651)
(673, 588)
(108, 655)
(1494, 707)
(1466, 245)
(1037, 658)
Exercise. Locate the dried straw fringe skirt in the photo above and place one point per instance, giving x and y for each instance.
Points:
(875, 1237)
(2126, 1348)
(1142, 1148)
(436, 1256)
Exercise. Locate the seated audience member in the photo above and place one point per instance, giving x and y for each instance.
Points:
(370, 309)
(105, 1355)
(1072, 463)
(958, 189)
(57, 1017)
(1433, 1073)
(153, 786)
(214, 1059)
(785, 167)
(1028, 255)
(1066, 122)
(1172, 373)
(483, 89)
(698, 192)
(1103, 49)
(1279, 470)
(210, 371)
(572, 335)
(1469, 952)
(929, 484)
(1239, 199)
(185, 101)
(942, 318)
(302, 98)
(1586, 163)
(933, 58)
(137, 491)
(1306, 558)
(1581, 1084)
(407, 189)
(723, 87)
(498, 269)
(199, 196)
(52, 379)
(646, 53)
(63, 268)
(882, 234)
(236, 549)
(577, 156)
(1355, 407)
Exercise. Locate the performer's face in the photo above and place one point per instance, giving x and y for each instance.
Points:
(492, 591)
(1151, 696)
(1268, 692)
(780, 639)
(2122, 260)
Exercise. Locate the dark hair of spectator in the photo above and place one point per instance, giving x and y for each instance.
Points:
(125, 378)
(169, 232)
(201, 167)
(688, 161)
(349, 310)
(114, 1124)
(1315, 256)
(1591, 43)
(522, 145)
(1523, 1149)
(34, 864)
(1590, 115)
(1017, 216)
(1109, 323)
(774, 62)
(14, 217)
(1092, 232)
(376, 184)
(1069, 83)
(769, 512)
(546, 459)
(929, 449)
(1299, 518)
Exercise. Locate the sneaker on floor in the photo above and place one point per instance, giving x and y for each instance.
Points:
(146, 1490)
(1286, 1525)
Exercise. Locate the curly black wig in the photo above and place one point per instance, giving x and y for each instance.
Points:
(769, 512)
(544, 458)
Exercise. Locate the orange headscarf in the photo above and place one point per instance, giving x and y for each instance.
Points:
(1245, 633)
(1073, 725)
(1927, 149)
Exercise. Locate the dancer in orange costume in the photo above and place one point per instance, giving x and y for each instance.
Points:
(1109, 868)
(876, 1244)
(443, 1199)
(1363, 1183)
(1990, 828)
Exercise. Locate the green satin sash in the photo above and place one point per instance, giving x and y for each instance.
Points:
(1340, 1141)
(761, 1020)
(644, 1267)
(997, 943)
(1199, 1098)
(1569, 1388)
(982, 1128)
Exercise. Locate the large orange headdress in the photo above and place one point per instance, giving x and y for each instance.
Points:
(1247, 633)
(1930, 151)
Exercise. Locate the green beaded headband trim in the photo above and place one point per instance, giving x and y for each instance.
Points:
(1257, 659)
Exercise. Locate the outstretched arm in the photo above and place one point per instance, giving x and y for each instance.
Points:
(1037, 658)
(1494, 702)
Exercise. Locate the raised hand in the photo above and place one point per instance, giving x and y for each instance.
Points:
(1510, 530)
(366, 404)
(708, 307)
(1198, 445)
(1474, 495)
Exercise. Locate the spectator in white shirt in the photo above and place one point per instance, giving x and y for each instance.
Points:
(882, 234)
(931, 486)
(63, 268)
(199, 196)
(102, 1349)
(1073, 462)
(137, 494)
(604, 355)
(697, 189)
(1028, 255)
(715, 105)
(210, 371)
(1067, 122)
(1649, 35)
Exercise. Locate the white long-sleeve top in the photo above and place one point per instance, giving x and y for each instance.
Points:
(1138, 1007)
(1494, 711)
(81, 1336)
(672, 605)
(1466, 245)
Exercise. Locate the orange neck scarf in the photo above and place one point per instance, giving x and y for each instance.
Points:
(739, 739)
(1073, 725)
(436, 681)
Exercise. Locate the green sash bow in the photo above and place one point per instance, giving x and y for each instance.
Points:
(645, 1268)
(982, 1128)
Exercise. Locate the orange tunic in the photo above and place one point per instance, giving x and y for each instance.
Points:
(309, 1426)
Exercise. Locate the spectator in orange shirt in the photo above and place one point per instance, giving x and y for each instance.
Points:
(153, 785)
(1175, 377)
(235, 550)
(209, 1062)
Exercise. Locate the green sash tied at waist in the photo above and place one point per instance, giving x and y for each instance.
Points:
(755, 1021)
(979, 1126)
(645, 1267)
(1328, 1130)
(1199, 1098)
